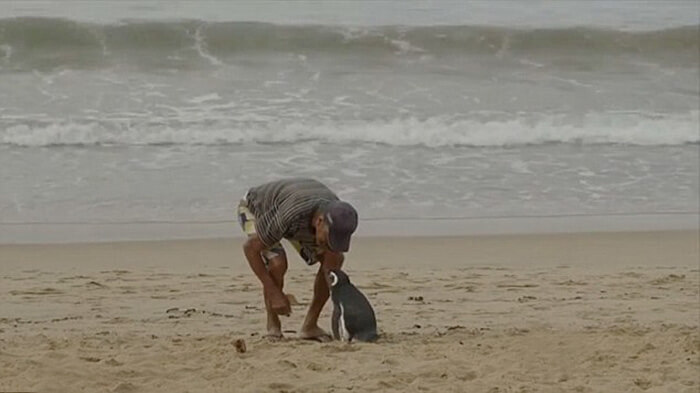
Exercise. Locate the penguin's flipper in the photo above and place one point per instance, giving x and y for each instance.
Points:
(334, 322)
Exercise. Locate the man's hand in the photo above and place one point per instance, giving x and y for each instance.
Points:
(279, 303)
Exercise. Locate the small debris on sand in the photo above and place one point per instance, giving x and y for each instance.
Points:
(240, 345)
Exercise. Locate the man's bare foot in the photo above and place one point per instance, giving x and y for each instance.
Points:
(274, 334)
(315, 333)
(274, 326)
(274, 337)
(274, 330)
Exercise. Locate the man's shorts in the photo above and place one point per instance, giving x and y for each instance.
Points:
(310, 254)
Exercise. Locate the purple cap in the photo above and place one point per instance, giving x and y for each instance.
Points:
(341, 218)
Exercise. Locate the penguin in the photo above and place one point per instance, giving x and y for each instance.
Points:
(353, 317)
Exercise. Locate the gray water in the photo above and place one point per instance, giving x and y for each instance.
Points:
(629, 14)
(163, 111)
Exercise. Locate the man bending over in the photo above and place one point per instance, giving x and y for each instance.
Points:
(319, 226)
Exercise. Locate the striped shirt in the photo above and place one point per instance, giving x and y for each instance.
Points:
(285, 209)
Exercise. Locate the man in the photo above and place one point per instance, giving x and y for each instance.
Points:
(316, 223)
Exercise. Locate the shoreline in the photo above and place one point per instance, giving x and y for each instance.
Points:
(593, 250)
(86, 232)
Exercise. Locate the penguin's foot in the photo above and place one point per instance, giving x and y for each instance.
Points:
(316, 334)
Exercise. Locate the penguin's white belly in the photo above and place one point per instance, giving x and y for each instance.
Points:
(344, 334)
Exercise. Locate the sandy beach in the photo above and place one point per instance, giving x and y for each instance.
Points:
(588, 312)
(525, 175)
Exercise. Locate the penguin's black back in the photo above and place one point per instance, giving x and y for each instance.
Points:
(358, 314)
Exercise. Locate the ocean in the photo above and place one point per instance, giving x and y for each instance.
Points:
(123, 114)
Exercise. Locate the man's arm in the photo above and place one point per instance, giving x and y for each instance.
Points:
(330, 261)
(253, 247)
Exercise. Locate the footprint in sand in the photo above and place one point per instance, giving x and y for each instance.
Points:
(124, 387)
(112, 362)
(517, 286)
(671, 278)
(468, 376)
(571, 283)
(37, 291)
(279, 386)
(95, 284)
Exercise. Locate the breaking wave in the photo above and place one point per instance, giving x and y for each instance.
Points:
(631, 129)
(42, 43)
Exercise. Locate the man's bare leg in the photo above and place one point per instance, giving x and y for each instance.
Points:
(277, 267)
(310, 328)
